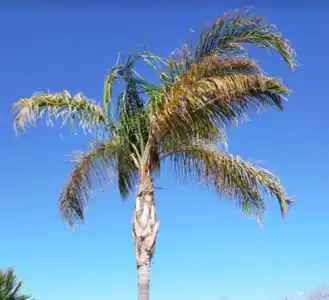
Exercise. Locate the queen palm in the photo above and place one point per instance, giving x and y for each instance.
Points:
(10, 286)
(201, 90)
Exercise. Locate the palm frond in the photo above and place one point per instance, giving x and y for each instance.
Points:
(111, 79)
(10, 286)
(230, 33)
(133, 134)
(95, 165)
(88, 115)
(209, 97)
(130, 115)
(127, 172)
(201, 124)
(227, 37)
(135, 85)
(229, 176)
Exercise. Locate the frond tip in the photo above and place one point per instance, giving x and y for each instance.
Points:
(230, 176)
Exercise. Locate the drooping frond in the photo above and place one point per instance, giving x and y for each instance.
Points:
(111, 80)
(97, 164)
(230, 33)
(88, 115)
(167, 100)
(215, 83)
(10, 286)
(230, 176)
(213, 94)
(127, 173)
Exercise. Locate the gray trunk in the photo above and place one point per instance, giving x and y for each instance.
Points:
(144, 281)
(145, 229)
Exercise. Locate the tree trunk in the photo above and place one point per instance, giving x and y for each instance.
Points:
(145, 229)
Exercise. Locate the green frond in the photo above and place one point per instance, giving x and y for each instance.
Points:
(110, 80)
(130, 106)
(127, 174)
(229, 176)
(78, 108)
(135, 85)
(230, 33)
(133, 134)
(10, 286)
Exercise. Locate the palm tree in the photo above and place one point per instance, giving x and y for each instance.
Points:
(201, 90)
(10, 286)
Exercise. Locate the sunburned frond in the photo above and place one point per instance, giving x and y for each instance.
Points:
(209, 97)
(201, 124)
(229, 176)
(88, 115)
(231, 32)
(98, 164)
(183, 61)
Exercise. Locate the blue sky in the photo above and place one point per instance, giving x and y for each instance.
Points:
(206, 248)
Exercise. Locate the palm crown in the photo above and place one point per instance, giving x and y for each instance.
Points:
(202, 90)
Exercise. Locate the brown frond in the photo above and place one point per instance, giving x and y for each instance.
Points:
(229, 176)
(215, 101)
(175, 109)
(215, 65)
(98, 164)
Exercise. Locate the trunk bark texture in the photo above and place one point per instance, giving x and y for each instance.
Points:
(145, 229)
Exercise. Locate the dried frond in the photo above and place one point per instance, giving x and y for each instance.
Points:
(215, 101)
(99, 164)
(230, 176)
(201, 124)
(60, 105)
(214, 63)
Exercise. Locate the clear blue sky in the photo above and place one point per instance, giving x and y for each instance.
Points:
(206, 248)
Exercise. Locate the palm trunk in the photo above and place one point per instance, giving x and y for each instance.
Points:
(145, 229)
